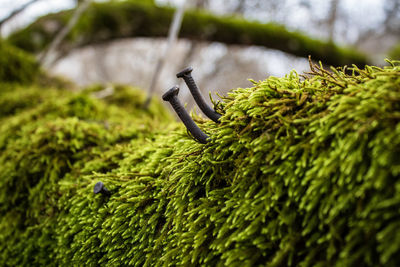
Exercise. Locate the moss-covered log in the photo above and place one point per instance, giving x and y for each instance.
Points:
(108, 21)
(16, 65)
(298, 173)
(394, 53)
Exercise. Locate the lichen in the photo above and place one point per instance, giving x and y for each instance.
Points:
(301, 171)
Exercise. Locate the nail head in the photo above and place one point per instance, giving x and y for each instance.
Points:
(184, 72)
(170, 93)
(98, 187)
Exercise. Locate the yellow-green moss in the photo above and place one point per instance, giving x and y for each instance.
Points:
(121, 19)
(298, 173)
(46, 134)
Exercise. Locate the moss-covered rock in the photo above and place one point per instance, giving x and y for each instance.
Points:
(121, 19)
(299, 172)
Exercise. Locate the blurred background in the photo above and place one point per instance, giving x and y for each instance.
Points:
(145, 43)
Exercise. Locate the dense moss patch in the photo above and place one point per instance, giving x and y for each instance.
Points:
(45, 135)
(121, 19)
(300, 172)
(16, 65)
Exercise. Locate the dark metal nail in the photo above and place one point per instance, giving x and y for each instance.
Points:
(207, 110)
(100, 188)
(172, 97)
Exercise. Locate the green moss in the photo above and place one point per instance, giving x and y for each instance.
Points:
(395, 52)
(46, 134)
(33, 103)
(16, 65)
(121, 19)
(132, 101)
(299, 172)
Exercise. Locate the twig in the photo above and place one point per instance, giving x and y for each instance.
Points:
(48, 57)
(172, 36)
(16, 12)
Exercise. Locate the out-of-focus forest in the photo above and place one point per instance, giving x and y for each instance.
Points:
(226, 42)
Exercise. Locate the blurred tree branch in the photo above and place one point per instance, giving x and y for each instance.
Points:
(332, 18)
(198, 4)
(113, 20)
(172, 37)
(48, 56)
(390, 25)
(17, 11)
(392, 19)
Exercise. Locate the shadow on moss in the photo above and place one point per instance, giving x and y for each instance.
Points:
(16, 65)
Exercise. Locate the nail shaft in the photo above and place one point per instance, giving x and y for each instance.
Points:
(186, 74)
(172, 97)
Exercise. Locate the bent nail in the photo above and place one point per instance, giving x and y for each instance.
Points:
(172, 97)
(194, 90)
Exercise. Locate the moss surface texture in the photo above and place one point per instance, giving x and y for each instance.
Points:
(108, 21)
(16, 65)
(299, 172)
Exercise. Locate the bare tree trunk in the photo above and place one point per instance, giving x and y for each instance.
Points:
(193, 44)
(201, 4)
(48, 57)
(392, 15)
(239, 9)
(191, 52)
(332, 19)
(172, 37)
(16, 12)
(389, 25)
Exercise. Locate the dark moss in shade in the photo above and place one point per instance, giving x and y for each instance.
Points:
(16, 66)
